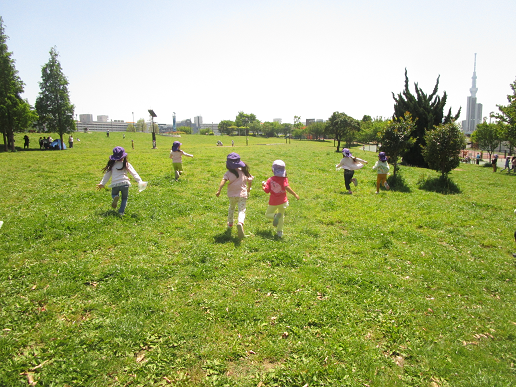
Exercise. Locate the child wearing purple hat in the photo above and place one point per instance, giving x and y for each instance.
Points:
(382, 167)
(116, 170)
(278, 187)
(350, 164)
(240, 181)
(176, 154)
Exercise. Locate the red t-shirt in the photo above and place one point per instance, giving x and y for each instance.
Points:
(276, 185)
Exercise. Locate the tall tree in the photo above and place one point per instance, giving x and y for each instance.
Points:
(443, 146)
(427, 111)
(141, 125)
(226, 127)
(53, 103)
(343, 128)
(487, 136)
(396, 138)
(16, 114)
(507, 115)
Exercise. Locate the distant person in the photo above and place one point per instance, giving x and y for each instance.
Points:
(478, 158)
(513, 163)
(382, 168)
(507, 161)
(41, 143)
(232, 142)
(278, 186)
(116, 169)
(132, 143)
(176, 154)
(70, 141)
(350, 164)
(240, 181)
(123, 136)
(26, 141)
(494, 161)
(107, 133)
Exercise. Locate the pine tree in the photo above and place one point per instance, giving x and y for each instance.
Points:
(427, 111)
(15, 113)
(53, 103)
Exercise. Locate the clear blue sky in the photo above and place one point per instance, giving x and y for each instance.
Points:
(273, 58)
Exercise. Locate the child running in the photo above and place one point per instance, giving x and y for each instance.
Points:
(116, 169)
(382, 167)
(350, 164)
(176, 154)
(240, 181)
(278, 187)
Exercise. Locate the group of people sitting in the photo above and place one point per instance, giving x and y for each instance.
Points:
(45, 142)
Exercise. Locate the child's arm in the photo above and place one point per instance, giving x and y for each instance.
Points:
(360, 160)
(375, 165)
(187, 154)
(249, 184)
(222, 182)
(265, 186)
(290, 190)
(104, 180)
(133, 172)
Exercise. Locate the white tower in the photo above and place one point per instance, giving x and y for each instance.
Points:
(474, 109)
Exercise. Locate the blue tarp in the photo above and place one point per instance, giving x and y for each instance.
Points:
(56, 144)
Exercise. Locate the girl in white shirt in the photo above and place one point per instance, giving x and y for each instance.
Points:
(350, 164)
(116, 169)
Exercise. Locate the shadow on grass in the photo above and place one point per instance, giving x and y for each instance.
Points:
(268, 234)
(397, 183)
(441, 184)
(226, 237)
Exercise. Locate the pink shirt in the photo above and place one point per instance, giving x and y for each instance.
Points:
(237, 186)
(275, 185)
(177, 156)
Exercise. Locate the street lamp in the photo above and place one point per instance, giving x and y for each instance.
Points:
(152, 114)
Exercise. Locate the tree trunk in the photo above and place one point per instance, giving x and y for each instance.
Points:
(62, 143)
(5, 142)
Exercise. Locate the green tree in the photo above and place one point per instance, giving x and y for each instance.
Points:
(185, 129)
(343, 128)
(443, 146)
(243, 119)
(370, 130)
(271, 129)
(317, 130)
(427, 111)
(16, 115)
(53, 103)
(487, 136)
(396, 138)
(130, 128)
(141, 125)
(226, 127)
(507, 116)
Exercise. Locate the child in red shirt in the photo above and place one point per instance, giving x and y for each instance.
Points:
(278, 187)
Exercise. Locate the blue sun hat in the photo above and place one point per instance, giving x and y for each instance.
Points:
(346, 152)
(382, 156)
(278, 168)
(175, 146)
(118, 154)
(233, 161)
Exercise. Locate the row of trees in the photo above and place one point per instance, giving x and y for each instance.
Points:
(488, 136)
(53, 111)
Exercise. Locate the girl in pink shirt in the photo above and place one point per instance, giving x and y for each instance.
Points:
(240, 181)
(176, 154)
(278, 187)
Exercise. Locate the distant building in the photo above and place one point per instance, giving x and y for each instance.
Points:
(310, 121)
(474, 109)
(278, 120)
(86, 122)
(102, 118)
(86, 117)
(319, 120)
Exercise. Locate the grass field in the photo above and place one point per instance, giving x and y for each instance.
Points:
(406, 288)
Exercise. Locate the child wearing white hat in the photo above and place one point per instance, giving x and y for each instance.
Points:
(278, 187)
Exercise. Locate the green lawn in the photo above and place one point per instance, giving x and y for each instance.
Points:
(406, 288)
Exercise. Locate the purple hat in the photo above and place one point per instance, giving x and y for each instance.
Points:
(118, 153)
(346, 152)
(175, 146)
(382, 156)
(233, 161)
(278, 167)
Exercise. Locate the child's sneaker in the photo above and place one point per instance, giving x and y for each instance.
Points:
(240, 228)
(354, 180)
(277, 217)
(386, 185)
(279, 234)
(115, 201)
